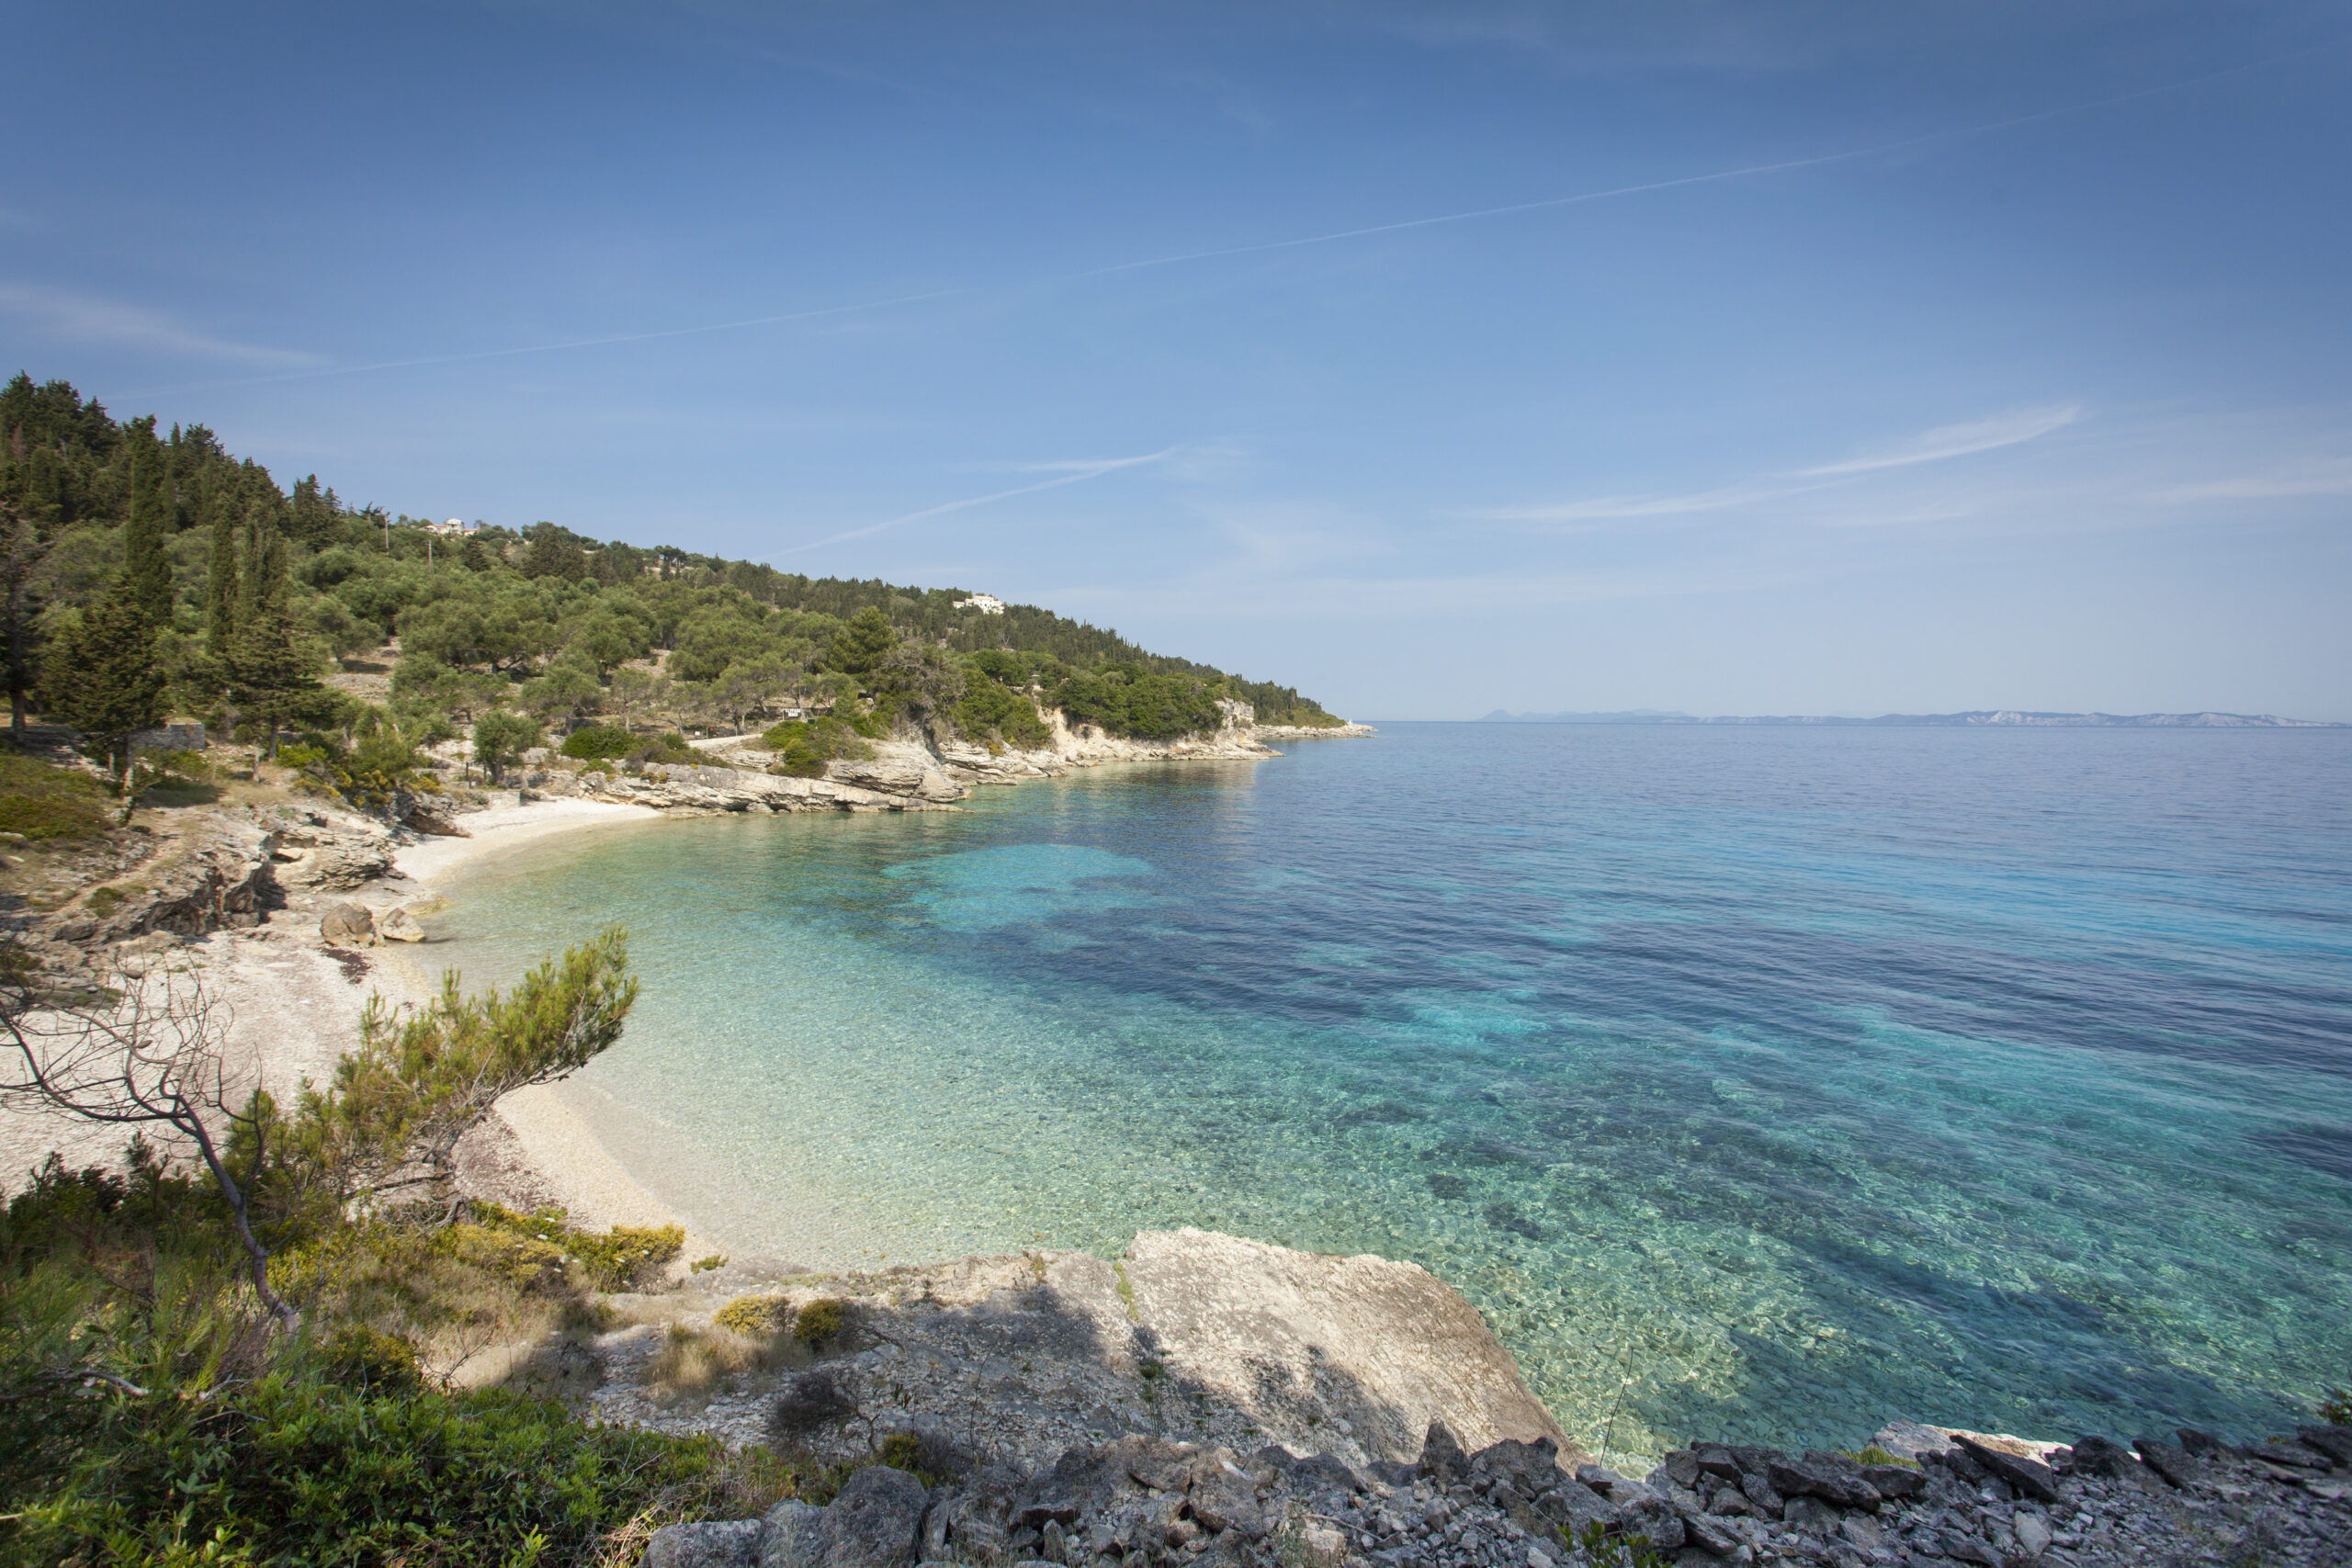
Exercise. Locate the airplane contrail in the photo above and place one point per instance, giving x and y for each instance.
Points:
(1090, 471)
(564, 344)
(1953, 133)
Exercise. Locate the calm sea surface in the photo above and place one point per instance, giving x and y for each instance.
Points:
(1754, 1082)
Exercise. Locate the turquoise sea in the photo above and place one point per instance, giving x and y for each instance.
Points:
(1756, 1082)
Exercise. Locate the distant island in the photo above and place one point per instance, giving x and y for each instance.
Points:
(1976, 717)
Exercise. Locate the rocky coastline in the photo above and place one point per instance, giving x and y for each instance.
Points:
(905, 775)
(1203, 1398)
(183, 873)
(1929, 1497)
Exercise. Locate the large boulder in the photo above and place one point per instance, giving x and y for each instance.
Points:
(1302, 1341)
(871, 1524)
(2032, 1477)
(398, 925)
(348, 925)
(733, 1543)
(425, 819)
(1820, 1475)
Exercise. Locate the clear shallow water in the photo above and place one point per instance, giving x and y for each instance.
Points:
(1804, 1078)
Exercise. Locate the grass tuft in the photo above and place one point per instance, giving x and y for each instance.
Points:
(44, 802)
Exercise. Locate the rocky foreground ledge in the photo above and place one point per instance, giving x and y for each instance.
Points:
(1212, 1400)
(1958, 1499)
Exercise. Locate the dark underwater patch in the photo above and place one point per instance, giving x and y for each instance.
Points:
(2320, 1148)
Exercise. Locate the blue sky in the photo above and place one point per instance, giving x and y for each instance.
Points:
(1735, 358)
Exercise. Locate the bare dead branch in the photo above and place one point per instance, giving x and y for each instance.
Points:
(146, 1050)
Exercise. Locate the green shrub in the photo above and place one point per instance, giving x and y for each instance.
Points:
(672, 748)
(294, 1469)
(620, 1258)
(820, 1322)
(366, 774)
(1603, 1550)
(599, 741)
(754, 1317)
(806, 745)
(2337, 1408)
(370, 1360)
(44, 802)
(987, 708)
(533, 1250)
(904, 1450)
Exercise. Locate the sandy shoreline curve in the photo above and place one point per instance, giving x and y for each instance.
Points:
(290, 1007)
(535, 1150)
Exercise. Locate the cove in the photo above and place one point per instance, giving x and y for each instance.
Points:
(1768, 1083)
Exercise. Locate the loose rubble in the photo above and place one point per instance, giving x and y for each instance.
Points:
(1146, 1500)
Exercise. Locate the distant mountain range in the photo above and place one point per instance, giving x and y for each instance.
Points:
(1988, 716)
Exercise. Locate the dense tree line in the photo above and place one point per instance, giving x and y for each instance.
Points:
(145, 571)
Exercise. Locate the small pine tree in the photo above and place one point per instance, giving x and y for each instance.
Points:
(273, 673)
(104, 680)
(860, 645)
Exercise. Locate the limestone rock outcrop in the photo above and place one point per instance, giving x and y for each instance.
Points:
(331, 853)
(884, 785)
(216, 872)
(1380, 1349)
(1224, 1340)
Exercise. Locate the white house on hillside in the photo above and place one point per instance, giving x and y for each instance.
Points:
(986, 603)
(455, 526)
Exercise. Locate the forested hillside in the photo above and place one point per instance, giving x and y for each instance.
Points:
(144, 571)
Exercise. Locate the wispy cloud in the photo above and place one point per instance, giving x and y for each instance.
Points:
(1956, 441)
(2327, 477)
(1939, 444)
(577, 342)
(1232, 593)
(89, 319)
(1067, 472)
(1609, 508)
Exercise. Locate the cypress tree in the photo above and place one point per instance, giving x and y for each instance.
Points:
(146, 571)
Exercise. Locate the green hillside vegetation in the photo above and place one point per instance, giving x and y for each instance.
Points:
(144, 571)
